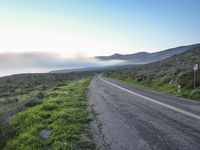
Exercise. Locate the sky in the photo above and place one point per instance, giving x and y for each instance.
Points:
(73, 29)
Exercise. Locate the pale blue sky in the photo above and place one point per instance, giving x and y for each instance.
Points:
(43, 35)
(97, 27)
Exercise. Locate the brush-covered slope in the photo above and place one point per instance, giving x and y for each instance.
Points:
(177, 69)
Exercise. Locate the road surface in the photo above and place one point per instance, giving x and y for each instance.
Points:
(132, 118)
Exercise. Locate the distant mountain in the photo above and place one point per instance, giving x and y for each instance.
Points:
(145, 58)
(131, 59)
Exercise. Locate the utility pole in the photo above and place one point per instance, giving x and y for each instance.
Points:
(195, 68)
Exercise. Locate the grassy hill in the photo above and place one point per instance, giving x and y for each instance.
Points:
(44, 111)
(164, 75)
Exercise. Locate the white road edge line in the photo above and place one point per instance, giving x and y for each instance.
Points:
(155, 101)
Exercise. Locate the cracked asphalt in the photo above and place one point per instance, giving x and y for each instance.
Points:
(125, 121)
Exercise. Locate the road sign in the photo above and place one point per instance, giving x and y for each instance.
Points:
(195, 67)
(179, 88)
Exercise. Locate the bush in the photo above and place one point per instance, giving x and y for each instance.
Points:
(9, 100)
(6, 131)
(35, 99)
(33, 102)
(49, 106)
(195, 94)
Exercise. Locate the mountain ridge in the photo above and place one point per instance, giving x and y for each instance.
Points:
(145, 57)
(132, 59)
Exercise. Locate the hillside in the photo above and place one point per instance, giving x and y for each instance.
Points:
(44, 111)
(177, 69)
(144, 57)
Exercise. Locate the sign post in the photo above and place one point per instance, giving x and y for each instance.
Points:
(179, 88)
(195, 68)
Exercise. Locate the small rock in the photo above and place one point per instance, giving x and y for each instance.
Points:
(45, 133)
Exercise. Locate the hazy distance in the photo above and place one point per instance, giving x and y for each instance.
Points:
(41, 35)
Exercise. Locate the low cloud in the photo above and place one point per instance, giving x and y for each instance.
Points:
(11, 63)
(41, 60)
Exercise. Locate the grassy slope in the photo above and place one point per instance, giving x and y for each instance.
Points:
(164, 75)
(62, 111)
(20, 92)
(19, 89)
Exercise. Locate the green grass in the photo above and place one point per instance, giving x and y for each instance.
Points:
(167, 88)
(63, 112)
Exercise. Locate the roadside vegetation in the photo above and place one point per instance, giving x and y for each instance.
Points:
(54, 117)
(165, 75)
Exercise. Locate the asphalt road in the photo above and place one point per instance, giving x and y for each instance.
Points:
(132, 118)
